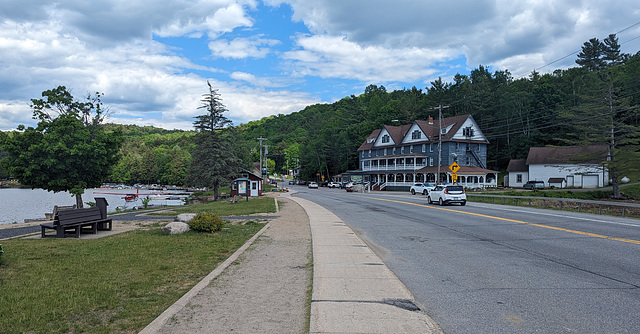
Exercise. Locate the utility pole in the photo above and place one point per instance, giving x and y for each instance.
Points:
(266, 151)
(439, 139)
(261, 139)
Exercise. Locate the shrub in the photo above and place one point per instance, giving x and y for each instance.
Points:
(206, 222)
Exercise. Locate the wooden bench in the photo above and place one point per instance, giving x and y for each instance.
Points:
(77, 221)
(56, 208)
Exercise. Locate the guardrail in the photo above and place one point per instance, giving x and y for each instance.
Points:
(545, 200)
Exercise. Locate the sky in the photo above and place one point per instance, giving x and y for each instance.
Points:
(152, 59)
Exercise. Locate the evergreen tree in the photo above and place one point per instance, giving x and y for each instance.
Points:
(591, 55)
(214, 161)
(611, 50)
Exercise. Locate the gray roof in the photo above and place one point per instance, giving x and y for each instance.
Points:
(517, 165)
(593, 154)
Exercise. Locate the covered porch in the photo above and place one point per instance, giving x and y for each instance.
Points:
(468, 176)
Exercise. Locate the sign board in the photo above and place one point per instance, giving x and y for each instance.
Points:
(454, 177)
(454, 167)
(242, 188)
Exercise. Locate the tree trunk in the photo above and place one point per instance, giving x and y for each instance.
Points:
(79, 201)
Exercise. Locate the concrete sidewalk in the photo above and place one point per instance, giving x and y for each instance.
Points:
(353, 290)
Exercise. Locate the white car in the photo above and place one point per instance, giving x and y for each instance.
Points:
(312, 185)
(333, 185)
(447, 194)
(421, 188)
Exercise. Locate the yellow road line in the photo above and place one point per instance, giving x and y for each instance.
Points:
(631, 241)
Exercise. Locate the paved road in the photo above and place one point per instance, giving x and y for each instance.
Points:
(495, 269)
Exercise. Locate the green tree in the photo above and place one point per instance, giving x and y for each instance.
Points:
(591, 55)
(611, 50)
(214, 161)
(69, 150)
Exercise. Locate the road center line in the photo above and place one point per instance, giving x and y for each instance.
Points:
(631, 241)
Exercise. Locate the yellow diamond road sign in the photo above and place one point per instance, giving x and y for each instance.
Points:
(454, 167)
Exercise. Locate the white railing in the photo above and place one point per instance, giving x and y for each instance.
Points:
(394, 167)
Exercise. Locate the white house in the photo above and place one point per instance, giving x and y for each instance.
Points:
(565, 166)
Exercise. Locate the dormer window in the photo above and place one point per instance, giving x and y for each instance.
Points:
(416, 134)
(468, 132)
(385, 139)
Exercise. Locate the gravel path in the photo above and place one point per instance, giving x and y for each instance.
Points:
(267, 290)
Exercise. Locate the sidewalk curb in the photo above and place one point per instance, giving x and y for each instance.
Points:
(162, 319)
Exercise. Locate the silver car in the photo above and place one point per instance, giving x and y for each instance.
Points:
(447, 194)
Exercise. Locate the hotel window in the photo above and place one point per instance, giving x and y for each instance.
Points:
(468, 132)
(431, 147)
(518, 178)
(411, 149)
(431, 161)
(385, 151)
(416, 134)
(385, 139)
(424, 148)
(369, 152)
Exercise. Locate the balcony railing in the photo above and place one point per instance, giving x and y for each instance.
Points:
(394, 167)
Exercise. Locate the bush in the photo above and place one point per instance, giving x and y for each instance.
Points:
(206, 222)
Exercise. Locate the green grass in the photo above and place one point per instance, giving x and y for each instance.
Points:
(630, 191)
(114, 284)
(222, 208)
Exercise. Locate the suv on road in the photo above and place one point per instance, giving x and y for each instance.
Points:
(534, 185)
(447, 194)
(421, 188)
(333, 185)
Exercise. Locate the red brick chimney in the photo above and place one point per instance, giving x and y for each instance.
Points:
(430, 120)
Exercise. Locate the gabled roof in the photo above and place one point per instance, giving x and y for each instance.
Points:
(517, 165)
(368, 143)
(593, 154)
(398, 133)
(431, 130)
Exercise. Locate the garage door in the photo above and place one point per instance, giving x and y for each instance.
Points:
(590, 181)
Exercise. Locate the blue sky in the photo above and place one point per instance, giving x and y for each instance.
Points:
(152, 59)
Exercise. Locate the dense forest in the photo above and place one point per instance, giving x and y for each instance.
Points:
(595, 102)
(577, 106)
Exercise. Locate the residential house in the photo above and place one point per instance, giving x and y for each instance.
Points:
(395, 157)
(561, 166)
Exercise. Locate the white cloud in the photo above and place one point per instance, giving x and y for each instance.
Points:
(242, 47)
(349, 44)
(337, 57)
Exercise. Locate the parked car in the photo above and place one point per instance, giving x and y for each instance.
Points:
(534, 185)
(333, 184)
(447, 194)
(421, 188)
(312, 185)
(349, 187)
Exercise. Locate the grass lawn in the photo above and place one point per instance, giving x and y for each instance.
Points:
(114, 284)
(631, 191)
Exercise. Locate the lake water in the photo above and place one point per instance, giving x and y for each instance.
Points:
(16, 205)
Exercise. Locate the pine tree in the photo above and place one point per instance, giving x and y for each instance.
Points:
(591, 55)
(214, 160)
(611, 50)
